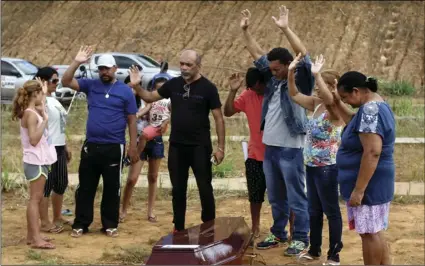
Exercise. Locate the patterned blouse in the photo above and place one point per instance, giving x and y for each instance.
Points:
(323, 139)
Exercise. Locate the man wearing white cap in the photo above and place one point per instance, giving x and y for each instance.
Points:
(111, 106)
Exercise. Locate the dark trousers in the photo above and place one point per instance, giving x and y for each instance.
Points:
(97, 160)
(322, 192)
(180, 158)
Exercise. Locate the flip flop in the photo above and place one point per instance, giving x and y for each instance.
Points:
(152, 219)
(77, 233)
(67, 212)
(111, 232)
(54, 230)
(64, 222)
(46, 245)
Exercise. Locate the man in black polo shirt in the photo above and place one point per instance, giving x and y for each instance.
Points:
(192, 97)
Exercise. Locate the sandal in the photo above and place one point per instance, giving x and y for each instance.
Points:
(112, 232)
(77, 233)
(63, 222)
(46, 245)
(56, 229)
(152, 219)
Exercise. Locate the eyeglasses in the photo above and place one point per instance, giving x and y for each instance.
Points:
(186, 88)
(54, 81)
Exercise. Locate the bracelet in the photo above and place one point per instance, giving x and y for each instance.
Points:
(220, 149)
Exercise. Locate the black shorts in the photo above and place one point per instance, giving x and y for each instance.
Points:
(58, 176)
(256, 180)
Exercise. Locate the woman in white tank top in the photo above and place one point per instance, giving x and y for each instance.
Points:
(57, 181)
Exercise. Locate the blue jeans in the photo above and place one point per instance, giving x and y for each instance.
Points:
(284, 170)
(322, 191)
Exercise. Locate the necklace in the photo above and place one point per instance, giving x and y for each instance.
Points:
(107, 93)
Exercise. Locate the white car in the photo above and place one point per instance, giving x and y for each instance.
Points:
(14, 73)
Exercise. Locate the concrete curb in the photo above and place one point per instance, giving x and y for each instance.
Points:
(234, 183)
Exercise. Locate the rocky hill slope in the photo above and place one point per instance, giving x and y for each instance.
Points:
(385, 39)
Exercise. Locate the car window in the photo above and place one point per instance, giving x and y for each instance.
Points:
(147, 61)
(96, 59)
(124, 62)
(26, 67)
(7, 69)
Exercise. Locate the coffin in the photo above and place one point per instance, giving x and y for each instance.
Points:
(222, 241)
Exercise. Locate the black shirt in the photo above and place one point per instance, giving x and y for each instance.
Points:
(190, 123)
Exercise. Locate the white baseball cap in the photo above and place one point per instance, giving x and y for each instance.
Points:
(106, 60)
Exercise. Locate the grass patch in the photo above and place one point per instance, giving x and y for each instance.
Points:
(127, 256)
(396, 88)
(42, 258)
(406, 200)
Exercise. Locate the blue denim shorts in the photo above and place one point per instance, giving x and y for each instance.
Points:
(154, 149)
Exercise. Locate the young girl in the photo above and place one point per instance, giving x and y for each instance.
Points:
(323, 137)
(158, 113)
(153, 154)
(38, 154)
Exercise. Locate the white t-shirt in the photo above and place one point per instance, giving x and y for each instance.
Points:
(159, 112)
(57, 121)
(142, 122)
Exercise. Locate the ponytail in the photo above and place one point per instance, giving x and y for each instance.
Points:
(372, 84)
(22, 98)
(20, 103)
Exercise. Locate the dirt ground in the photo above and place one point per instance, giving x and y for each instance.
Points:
(137, 235)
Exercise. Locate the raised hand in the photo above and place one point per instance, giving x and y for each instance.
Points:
(294, 62)
(335, 93)
(282, 21)
(235, 81)
(246, 15)
(317, 64)
(84, 54)
(135, 76)
(43, 85)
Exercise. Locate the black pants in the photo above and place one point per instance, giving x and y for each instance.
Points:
(180, 158)
(97, 160)
(58, 175)
(322, 191)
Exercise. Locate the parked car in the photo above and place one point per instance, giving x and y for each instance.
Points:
(63, 94)
(14, 73)
(150, 67)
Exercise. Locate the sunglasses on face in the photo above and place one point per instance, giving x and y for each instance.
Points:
(54, 81)
(186, 88)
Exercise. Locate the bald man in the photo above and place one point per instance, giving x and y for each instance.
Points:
(192, 97)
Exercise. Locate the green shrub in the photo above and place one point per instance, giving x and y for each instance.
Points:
(396, 88)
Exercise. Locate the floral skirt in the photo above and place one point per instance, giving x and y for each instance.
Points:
(368, 219)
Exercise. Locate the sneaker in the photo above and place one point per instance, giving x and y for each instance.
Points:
(305, 256)
(270, 241)
(331, 262)
(295, 248)
(334, 260)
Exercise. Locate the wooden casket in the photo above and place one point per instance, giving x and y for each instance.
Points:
(222, 241)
